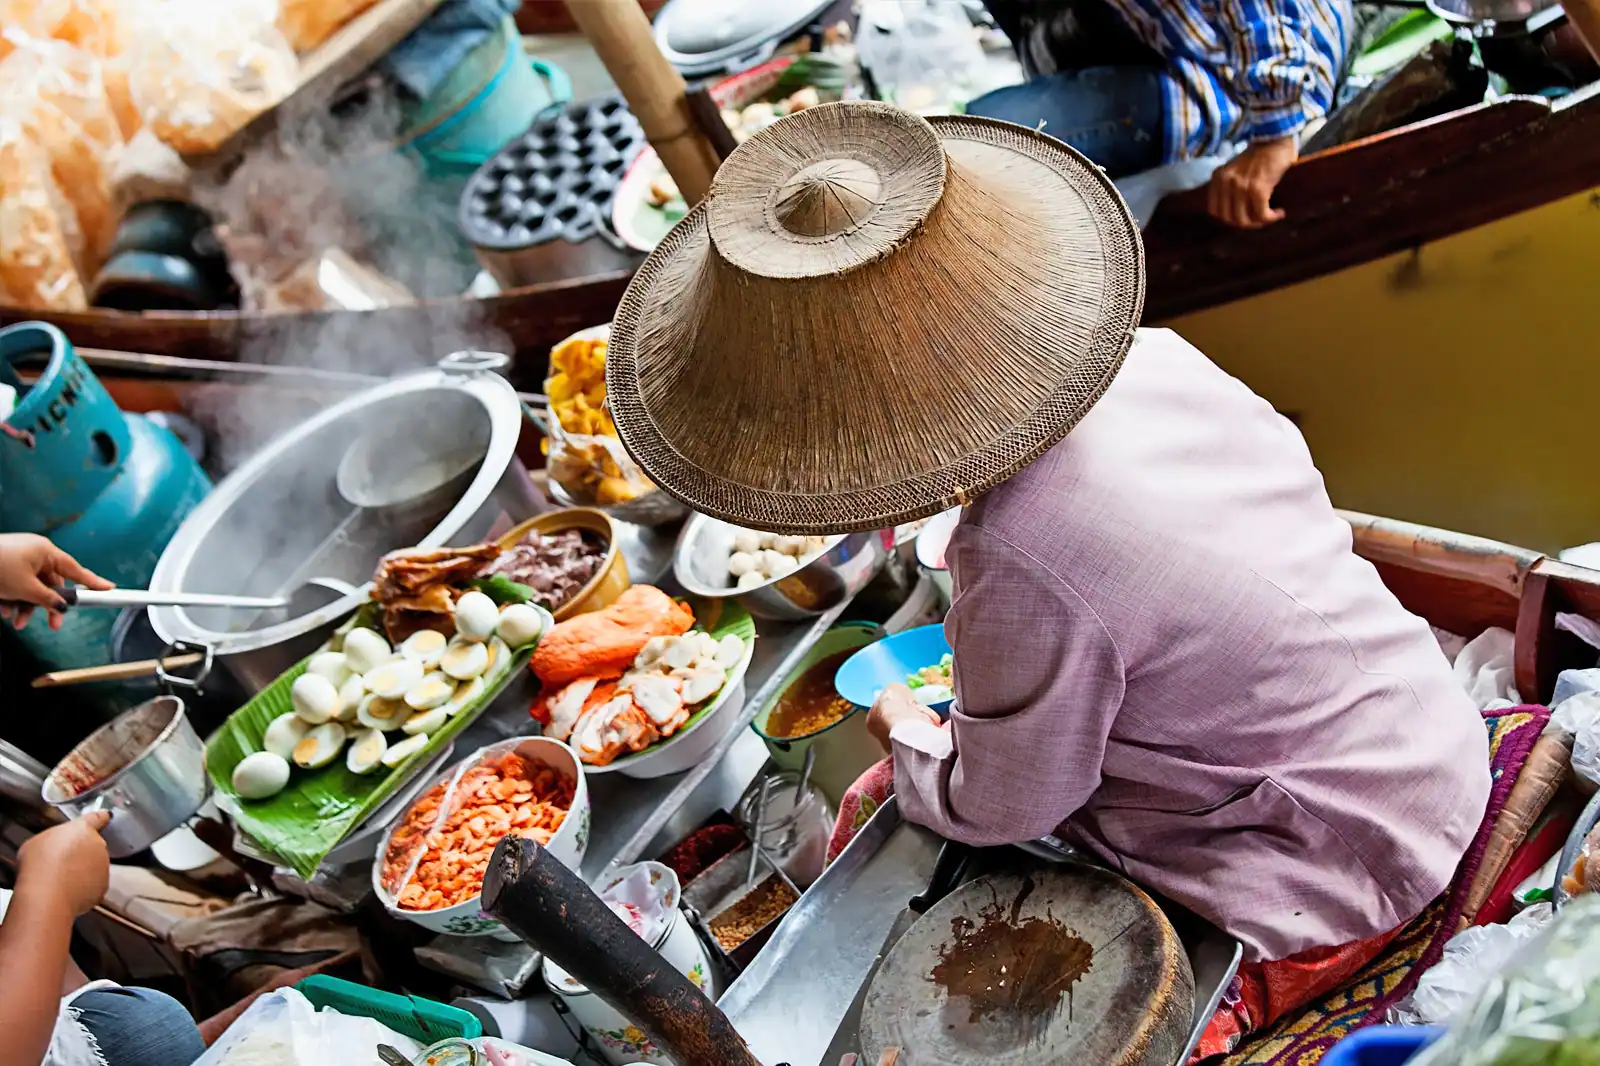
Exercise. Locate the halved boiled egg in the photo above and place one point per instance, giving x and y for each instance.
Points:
(283, 733)
(379, 712)
(434, 690)
(315, 698)
(399, 753)
(393, 679)
(425, 646)
(422, 723)
(466, 694)
(464, 660)
(366, 752)
(320, 746)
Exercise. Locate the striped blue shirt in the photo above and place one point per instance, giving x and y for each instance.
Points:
(1241, 70)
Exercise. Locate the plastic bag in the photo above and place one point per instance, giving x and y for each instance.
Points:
(55, 91)
(1571, 682)
(199, 70)
(1486, 669)
(1541, 1009)
(307, 23)
(586, 457)
(1579, 717)
(37, 228)
(926, 55)
(1470, 961)
(282, 1028)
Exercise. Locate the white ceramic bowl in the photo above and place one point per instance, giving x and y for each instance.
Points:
(687, 747)
(931, 545)
(568, 844)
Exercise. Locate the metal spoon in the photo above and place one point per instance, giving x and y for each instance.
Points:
(392, 1057)
(758, 816)
(805, 775)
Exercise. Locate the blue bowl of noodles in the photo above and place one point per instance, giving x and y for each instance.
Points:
(920, 658)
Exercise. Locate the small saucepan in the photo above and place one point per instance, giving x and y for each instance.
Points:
(146, 767)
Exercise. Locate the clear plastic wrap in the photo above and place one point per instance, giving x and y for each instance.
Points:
(1541, 1009)
(1471, 959)
(282, 1028)
(199, 70)
(307, 23)
(37, 228)
(586, 457)
(55, 91)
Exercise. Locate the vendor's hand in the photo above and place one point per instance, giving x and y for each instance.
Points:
(32, 570)
(1241, 190)
(70, 860)
(894, 705)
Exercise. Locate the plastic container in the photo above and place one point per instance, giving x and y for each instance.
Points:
(494, 94)
(422, 1020)
(1381, 1045)
(890, 661)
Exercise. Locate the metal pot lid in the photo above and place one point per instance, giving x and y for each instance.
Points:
(279, 519)
(704, 36)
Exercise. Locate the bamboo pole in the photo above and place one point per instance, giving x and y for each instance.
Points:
(1585, 18)
(620, 34)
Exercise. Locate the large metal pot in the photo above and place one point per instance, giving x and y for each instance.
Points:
(844, 569)
(279, 521)
(146, 766)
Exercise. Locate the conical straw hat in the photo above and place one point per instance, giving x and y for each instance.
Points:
(873, 317)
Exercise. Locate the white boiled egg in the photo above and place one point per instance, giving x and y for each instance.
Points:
(476, 616)
(432, 691)
(399, 753)
(365, 649)
(260, 774)
(466, 695)
(283, 733)
(425, 646)
(351, 693)
(465, 661)
(376, 712)
(366, 752)
(331, 665)
(315, 698)
(320, 746)
(393, 679)
(421, 723)
(520, 625)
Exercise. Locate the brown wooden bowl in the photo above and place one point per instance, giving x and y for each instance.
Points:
(609, 582)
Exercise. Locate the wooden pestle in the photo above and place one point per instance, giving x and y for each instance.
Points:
(551, 908)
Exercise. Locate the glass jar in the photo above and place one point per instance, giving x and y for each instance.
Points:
(794, 829)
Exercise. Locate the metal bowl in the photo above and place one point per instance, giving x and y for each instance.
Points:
(842, 570)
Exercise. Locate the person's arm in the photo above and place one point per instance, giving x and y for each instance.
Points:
(1269, 46)
(62, 873)
(1038, 684)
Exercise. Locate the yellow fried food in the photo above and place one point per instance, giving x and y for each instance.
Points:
(577, 387)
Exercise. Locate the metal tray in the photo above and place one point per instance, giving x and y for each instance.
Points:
(799, 1002)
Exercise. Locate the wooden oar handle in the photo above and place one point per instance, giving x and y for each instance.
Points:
(551, 908)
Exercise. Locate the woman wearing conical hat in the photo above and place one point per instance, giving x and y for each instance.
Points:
(1165, 650)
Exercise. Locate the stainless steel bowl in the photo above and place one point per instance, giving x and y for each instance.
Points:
(701, 566)
(146, 766)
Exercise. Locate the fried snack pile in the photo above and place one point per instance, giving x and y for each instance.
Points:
(418, 587)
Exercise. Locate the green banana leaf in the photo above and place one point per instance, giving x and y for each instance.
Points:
(719, 618)
(308, 818)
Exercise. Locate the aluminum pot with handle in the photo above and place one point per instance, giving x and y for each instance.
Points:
(146, 767)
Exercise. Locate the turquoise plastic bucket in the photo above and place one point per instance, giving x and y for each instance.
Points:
(495, 94)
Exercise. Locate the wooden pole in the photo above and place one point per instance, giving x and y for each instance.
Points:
(551, 908)
(620, 34)
(1585, 18)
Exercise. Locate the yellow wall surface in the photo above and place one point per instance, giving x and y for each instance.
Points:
(1457, 385)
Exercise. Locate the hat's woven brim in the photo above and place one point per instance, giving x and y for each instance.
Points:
(817, 478)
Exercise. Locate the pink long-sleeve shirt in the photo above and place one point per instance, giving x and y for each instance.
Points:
(1167, 652)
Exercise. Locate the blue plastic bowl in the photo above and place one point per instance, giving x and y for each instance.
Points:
(890, 660)
(1381, 1045)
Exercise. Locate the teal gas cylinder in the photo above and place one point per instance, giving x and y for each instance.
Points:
(109, 488)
